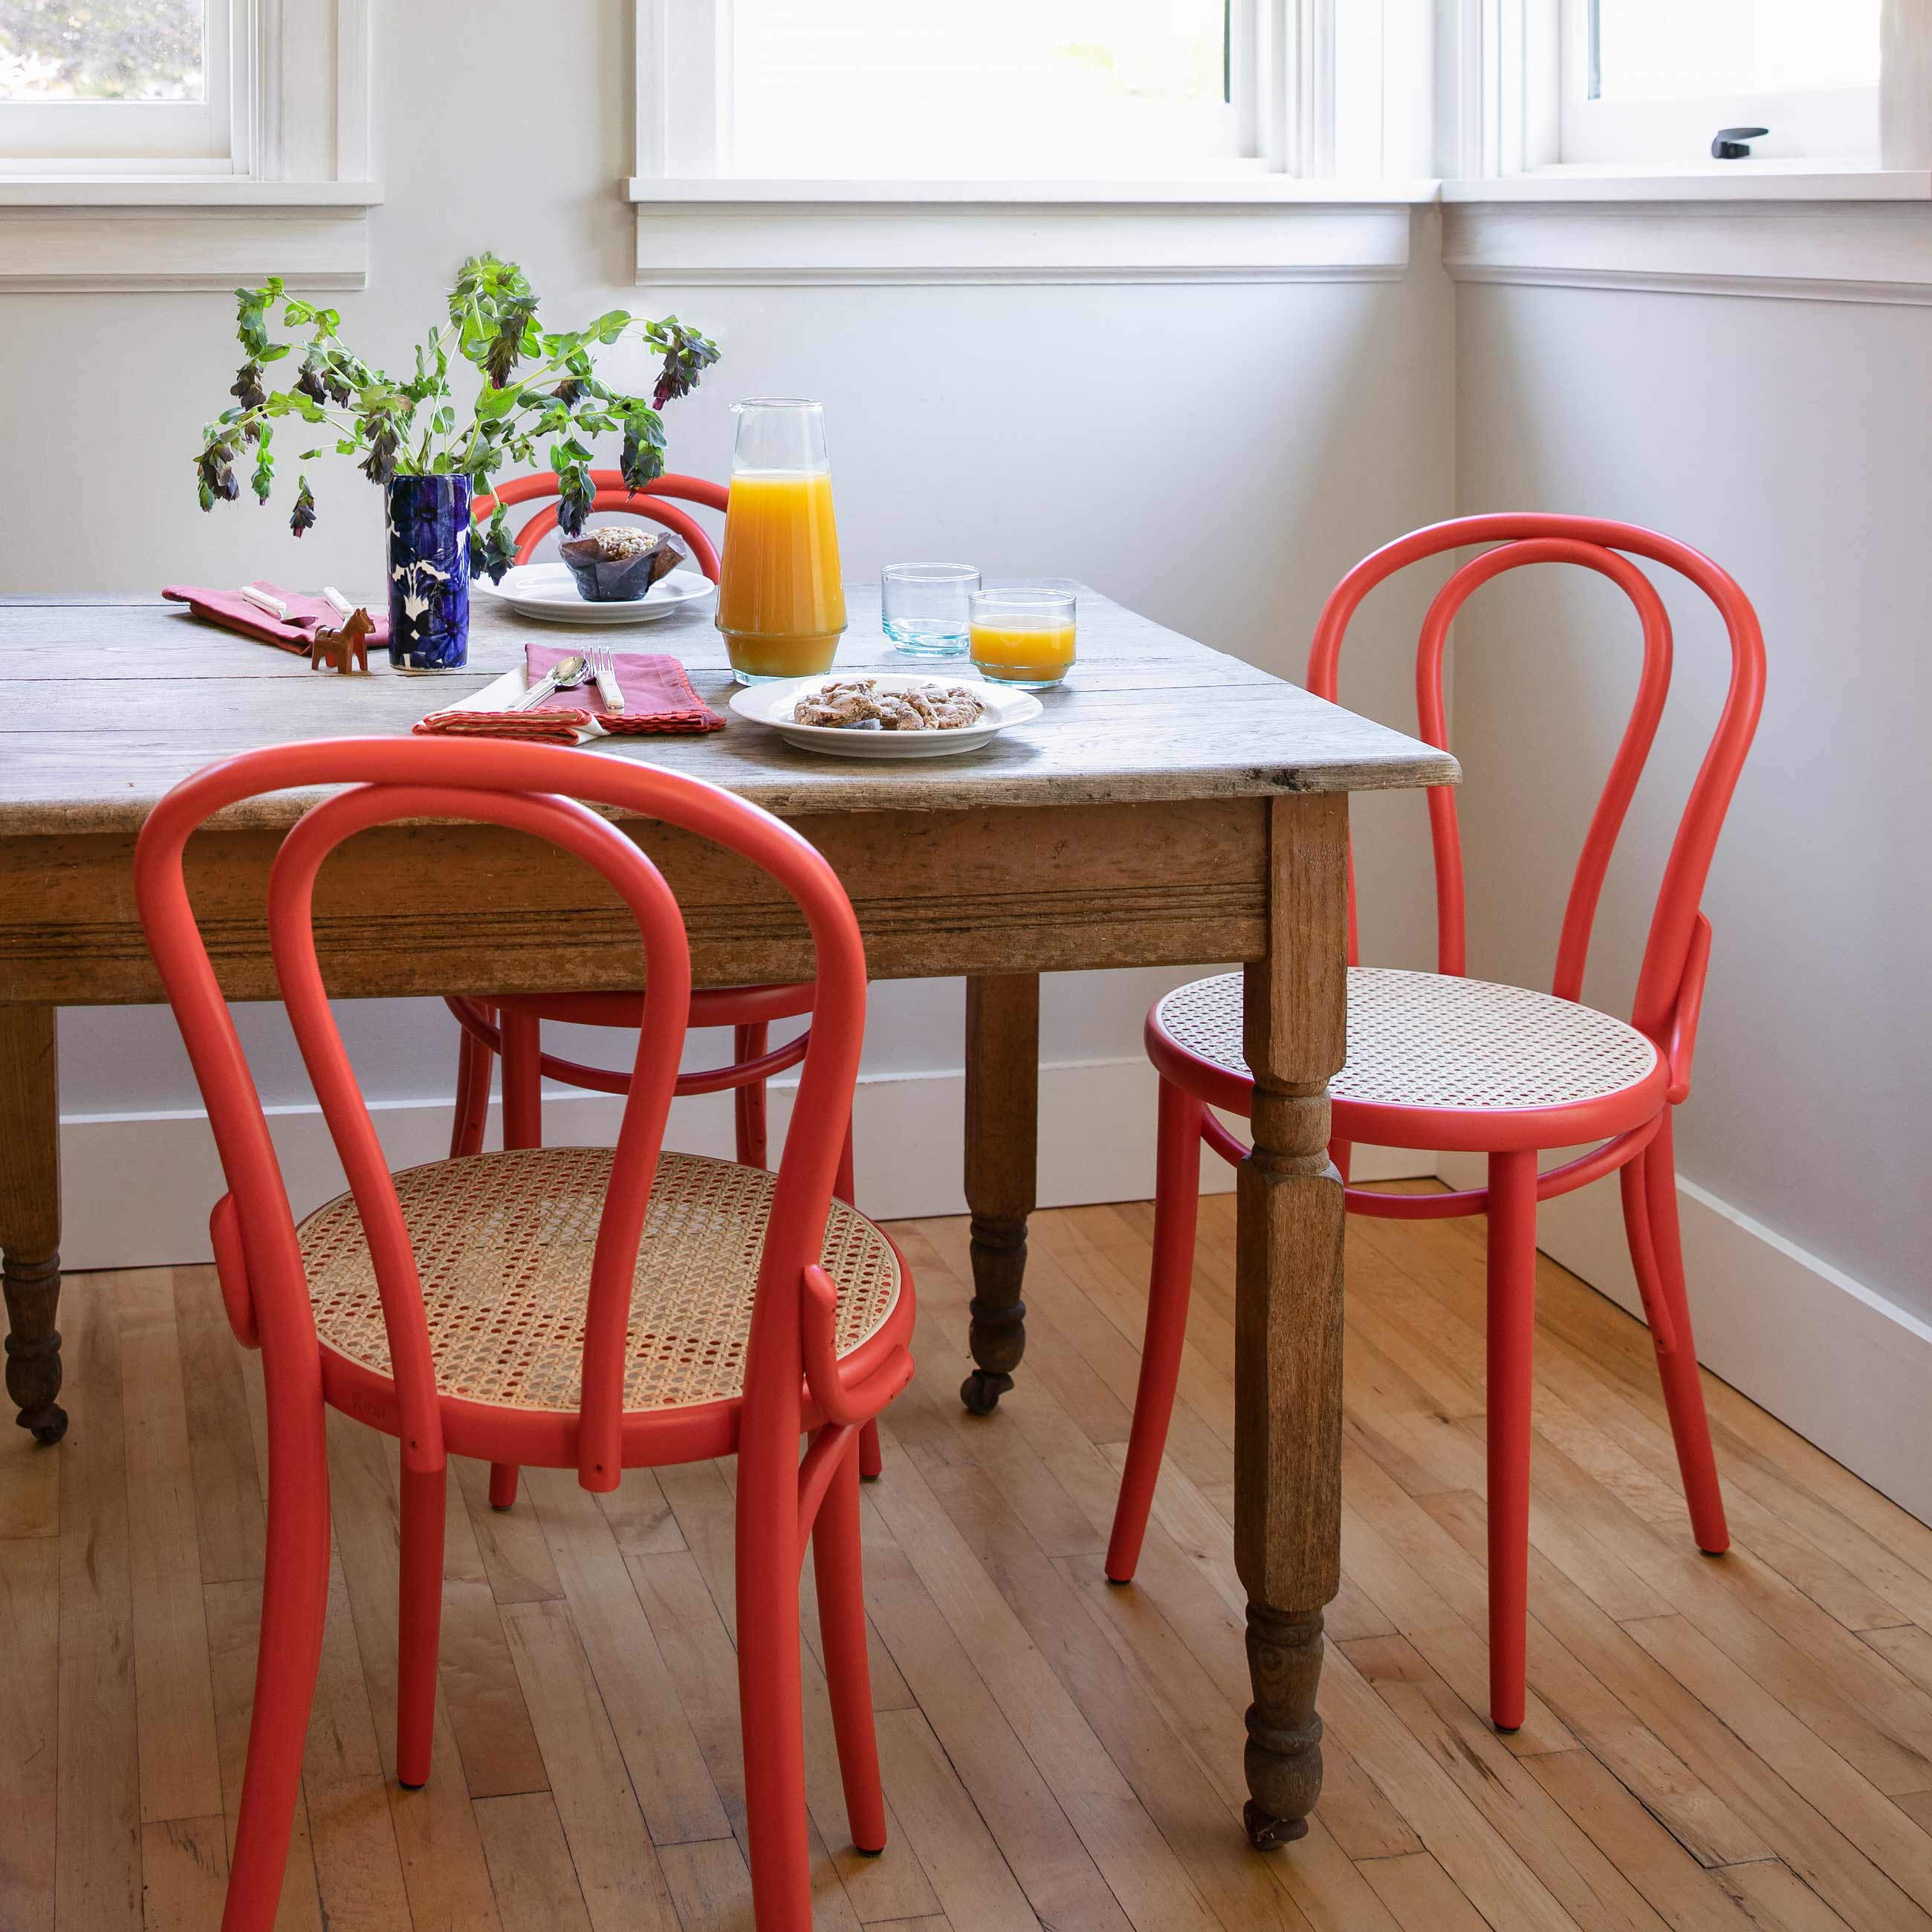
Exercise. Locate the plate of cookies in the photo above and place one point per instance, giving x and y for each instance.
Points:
(886, 714)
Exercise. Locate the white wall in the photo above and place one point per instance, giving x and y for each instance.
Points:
(1214, 456)
(1786, 439)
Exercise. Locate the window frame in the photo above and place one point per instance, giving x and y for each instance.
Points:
(1823, 125)
(288, 193)
(1279, 215)
(212, 135)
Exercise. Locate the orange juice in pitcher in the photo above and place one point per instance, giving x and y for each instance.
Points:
(781, 594)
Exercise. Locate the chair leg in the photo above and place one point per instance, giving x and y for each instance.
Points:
(503, 1486)
(871, 1461)
(475, 1069)
(1177, 1200)
(838, 1564)
(419, 1621)
(1512, 1331)
(1650, 1218)
(769, 1689)
(294, 1599)
(523, 1080)
(748, 1043)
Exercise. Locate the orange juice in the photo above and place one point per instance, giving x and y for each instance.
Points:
(780, 599)
(1021, 654)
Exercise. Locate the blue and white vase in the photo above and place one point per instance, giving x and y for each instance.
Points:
(429, 572)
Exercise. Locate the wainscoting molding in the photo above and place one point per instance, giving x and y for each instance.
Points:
(140, 1185)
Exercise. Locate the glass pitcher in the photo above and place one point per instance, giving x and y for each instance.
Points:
(780, 596)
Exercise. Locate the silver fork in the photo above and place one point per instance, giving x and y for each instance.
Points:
(603, 669)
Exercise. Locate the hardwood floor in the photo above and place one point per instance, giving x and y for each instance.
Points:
(1731, 1743)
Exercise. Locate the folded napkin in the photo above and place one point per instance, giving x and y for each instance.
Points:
(658, 697)
(307, 615)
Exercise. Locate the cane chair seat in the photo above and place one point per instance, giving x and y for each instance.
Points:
(503, 1244)
(1430, 1039)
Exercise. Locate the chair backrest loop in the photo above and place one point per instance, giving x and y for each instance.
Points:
(1605, 546)
(657, 500)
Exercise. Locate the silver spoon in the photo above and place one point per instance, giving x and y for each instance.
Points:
(565, 675)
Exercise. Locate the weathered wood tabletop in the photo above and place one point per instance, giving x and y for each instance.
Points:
(1173, 806)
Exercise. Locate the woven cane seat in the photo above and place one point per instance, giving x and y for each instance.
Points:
(503, 1244)
(1427, 1039)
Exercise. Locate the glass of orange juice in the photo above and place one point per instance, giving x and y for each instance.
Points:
(1023, 636)
(781, 596)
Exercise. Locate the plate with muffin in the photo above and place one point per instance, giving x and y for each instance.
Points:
(612, 573)
(885, 714)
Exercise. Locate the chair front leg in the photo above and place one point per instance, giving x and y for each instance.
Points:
(418, 1622)
(1512, 1332)
(1177, 1203)
(837, 1563)
(1649, 1185)
(295, 1600)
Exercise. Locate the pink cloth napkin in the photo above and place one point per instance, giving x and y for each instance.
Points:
(658, 697)
(307, 615)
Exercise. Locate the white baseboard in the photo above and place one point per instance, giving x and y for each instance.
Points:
(1850, 1371)
(138, 1186)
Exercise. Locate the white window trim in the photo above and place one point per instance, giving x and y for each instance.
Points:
(1512, 214)
(293, 199)
(1278, 218)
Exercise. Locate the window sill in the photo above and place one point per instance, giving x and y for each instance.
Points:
(1808, 234)
(1251, 228)
(67, 234)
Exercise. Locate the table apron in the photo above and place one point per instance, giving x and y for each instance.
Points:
(451, 907)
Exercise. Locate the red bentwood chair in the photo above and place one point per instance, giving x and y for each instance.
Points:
(1437, 1060)
(513, 1030)
(572, 1307)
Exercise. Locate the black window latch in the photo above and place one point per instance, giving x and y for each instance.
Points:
(1732, 144)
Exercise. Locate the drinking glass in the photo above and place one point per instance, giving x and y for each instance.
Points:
(780, 596)
(927, 608)
(1023, 636)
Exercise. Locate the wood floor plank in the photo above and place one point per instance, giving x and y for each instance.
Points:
(622, 1886)
(181, 1774)
(97, 1876)
(530, 1869)
(221, 1447)
(184, 1873)
(29, 1720)
(640, 1698)
(1421, 1895)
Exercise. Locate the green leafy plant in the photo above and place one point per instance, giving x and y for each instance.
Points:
(539, 391)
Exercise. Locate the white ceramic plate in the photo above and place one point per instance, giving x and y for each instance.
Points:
(771, 704)
(548, 591)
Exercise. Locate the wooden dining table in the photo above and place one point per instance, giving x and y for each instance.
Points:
(1173, 806)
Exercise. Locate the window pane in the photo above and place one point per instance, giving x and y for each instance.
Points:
(106, 50)
(1682, 49)
(1003, 87)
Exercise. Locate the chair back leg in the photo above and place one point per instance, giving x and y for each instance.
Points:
(1177, 1203)
(1512, 1332)
(523, 1080)
(748, 1102)
(475, 1070)
(1650, 1219)
(838, 1564)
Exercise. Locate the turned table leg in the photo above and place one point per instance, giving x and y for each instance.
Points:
(30, 1215)
(1002, 1155)
(1288, 1322)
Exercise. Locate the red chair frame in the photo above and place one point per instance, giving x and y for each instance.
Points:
(795, 1384)
(1633, 1126)
(612, 493)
